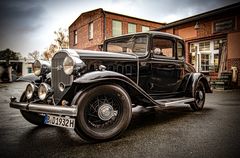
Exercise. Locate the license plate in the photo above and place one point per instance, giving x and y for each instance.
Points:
(59, 121)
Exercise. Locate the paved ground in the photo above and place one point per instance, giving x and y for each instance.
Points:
(177, 132)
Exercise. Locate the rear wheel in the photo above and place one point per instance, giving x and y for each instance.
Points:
(199, 96)
(104, 112)
(31, 117)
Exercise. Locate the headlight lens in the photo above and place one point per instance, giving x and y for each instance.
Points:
(30, 90)
(43, 91)
(72, 64)
(41, 67)
(68, 65)
(37, 68)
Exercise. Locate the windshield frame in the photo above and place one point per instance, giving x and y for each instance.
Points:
(129, 37)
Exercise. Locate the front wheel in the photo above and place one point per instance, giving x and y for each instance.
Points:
(199, 96)
(31, 117)
(104, 112)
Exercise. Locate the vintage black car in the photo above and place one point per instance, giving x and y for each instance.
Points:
(94, 92)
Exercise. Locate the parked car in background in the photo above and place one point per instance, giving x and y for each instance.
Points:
(94, 92)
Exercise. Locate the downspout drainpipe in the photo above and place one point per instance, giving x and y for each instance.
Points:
(104, 24)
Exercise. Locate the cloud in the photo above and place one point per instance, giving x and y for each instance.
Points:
(184, 8)
(17, 19)
(167, 10)
(28, 25)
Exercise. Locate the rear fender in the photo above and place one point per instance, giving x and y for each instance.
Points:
(193, 81)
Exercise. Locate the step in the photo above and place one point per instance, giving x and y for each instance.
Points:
(173, 101)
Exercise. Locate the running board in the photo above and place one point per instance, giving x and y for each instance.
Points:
(172, 101)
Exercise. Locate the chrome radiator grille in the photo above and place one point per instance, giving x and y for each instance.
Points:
(59, 76)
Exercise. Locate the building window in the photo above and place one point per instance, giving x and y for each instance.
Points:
(116, 28)
(224, 25)
(215, 62)
(29, 70)
(204, 46)
(216, 44)
(90, 30)
(193, 60)
(75, 36)
(132, 28)
(145, 28)
(205, 62)
(192, 48)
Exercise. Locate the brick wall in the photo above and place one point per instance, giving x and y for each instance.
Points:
(81, 25)
(125, 20)
(97, 17)
(205, 29)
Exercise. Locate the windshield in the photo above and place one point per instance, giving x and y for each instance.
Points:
(129, 44)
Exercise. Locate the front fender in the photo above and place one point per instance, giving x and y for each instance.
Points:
(29, 78)
(96, 76)
(137, 94)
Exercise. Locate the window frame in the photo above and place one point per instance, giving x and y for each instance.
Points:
(221, 22)
(133, 24)
(90, 31)
(145, 27)
(203, 49)
(75, 37)
(121, 28)
(183, 49)
(129, 37)
(164, 57)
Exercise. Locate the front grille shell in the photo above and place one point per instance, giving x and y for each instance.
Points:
(58, 76)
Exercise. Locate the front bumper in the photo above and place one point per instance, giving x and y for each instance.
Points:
(44, 108)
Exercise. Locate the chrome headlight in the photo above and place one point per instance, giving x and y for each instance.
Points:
(72, 64)
(41, 67)
(43, 91)
(30, 90)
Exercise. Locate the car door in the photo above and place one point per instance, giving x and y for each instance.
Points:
(166, 68)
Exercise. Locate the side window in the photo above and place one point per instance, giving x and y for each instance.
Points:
(180, 53)
(162, 48)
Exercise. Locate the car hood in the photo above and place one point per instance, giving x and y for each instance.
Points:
(88, 54)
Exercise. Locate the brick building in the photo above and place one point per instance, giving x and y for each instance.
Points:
(91, 28)
(212, 40)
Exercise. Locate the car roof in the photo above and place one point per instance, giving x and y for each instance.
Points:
(154, 33)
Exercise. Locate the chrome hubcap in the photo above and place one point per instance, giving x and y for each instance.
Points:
(106, 112)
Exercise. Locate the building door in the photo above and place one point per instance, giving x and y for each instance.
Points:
(205, 55)
(204, 64)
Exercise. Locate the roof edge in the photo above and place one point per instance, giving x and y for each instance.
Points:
(200, 16)
(105, 11)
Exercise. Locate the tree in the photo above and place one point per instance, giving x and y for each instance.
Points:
(61, 41)
(34, 55)
(8, 54)
(50, 51)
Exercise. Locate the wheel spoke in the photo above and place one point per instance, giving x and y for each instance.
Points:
(93, 107)
(92, 115)
(103, 111)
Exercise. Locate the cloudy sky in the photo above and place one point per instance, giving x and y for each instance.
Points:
(28, 25)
